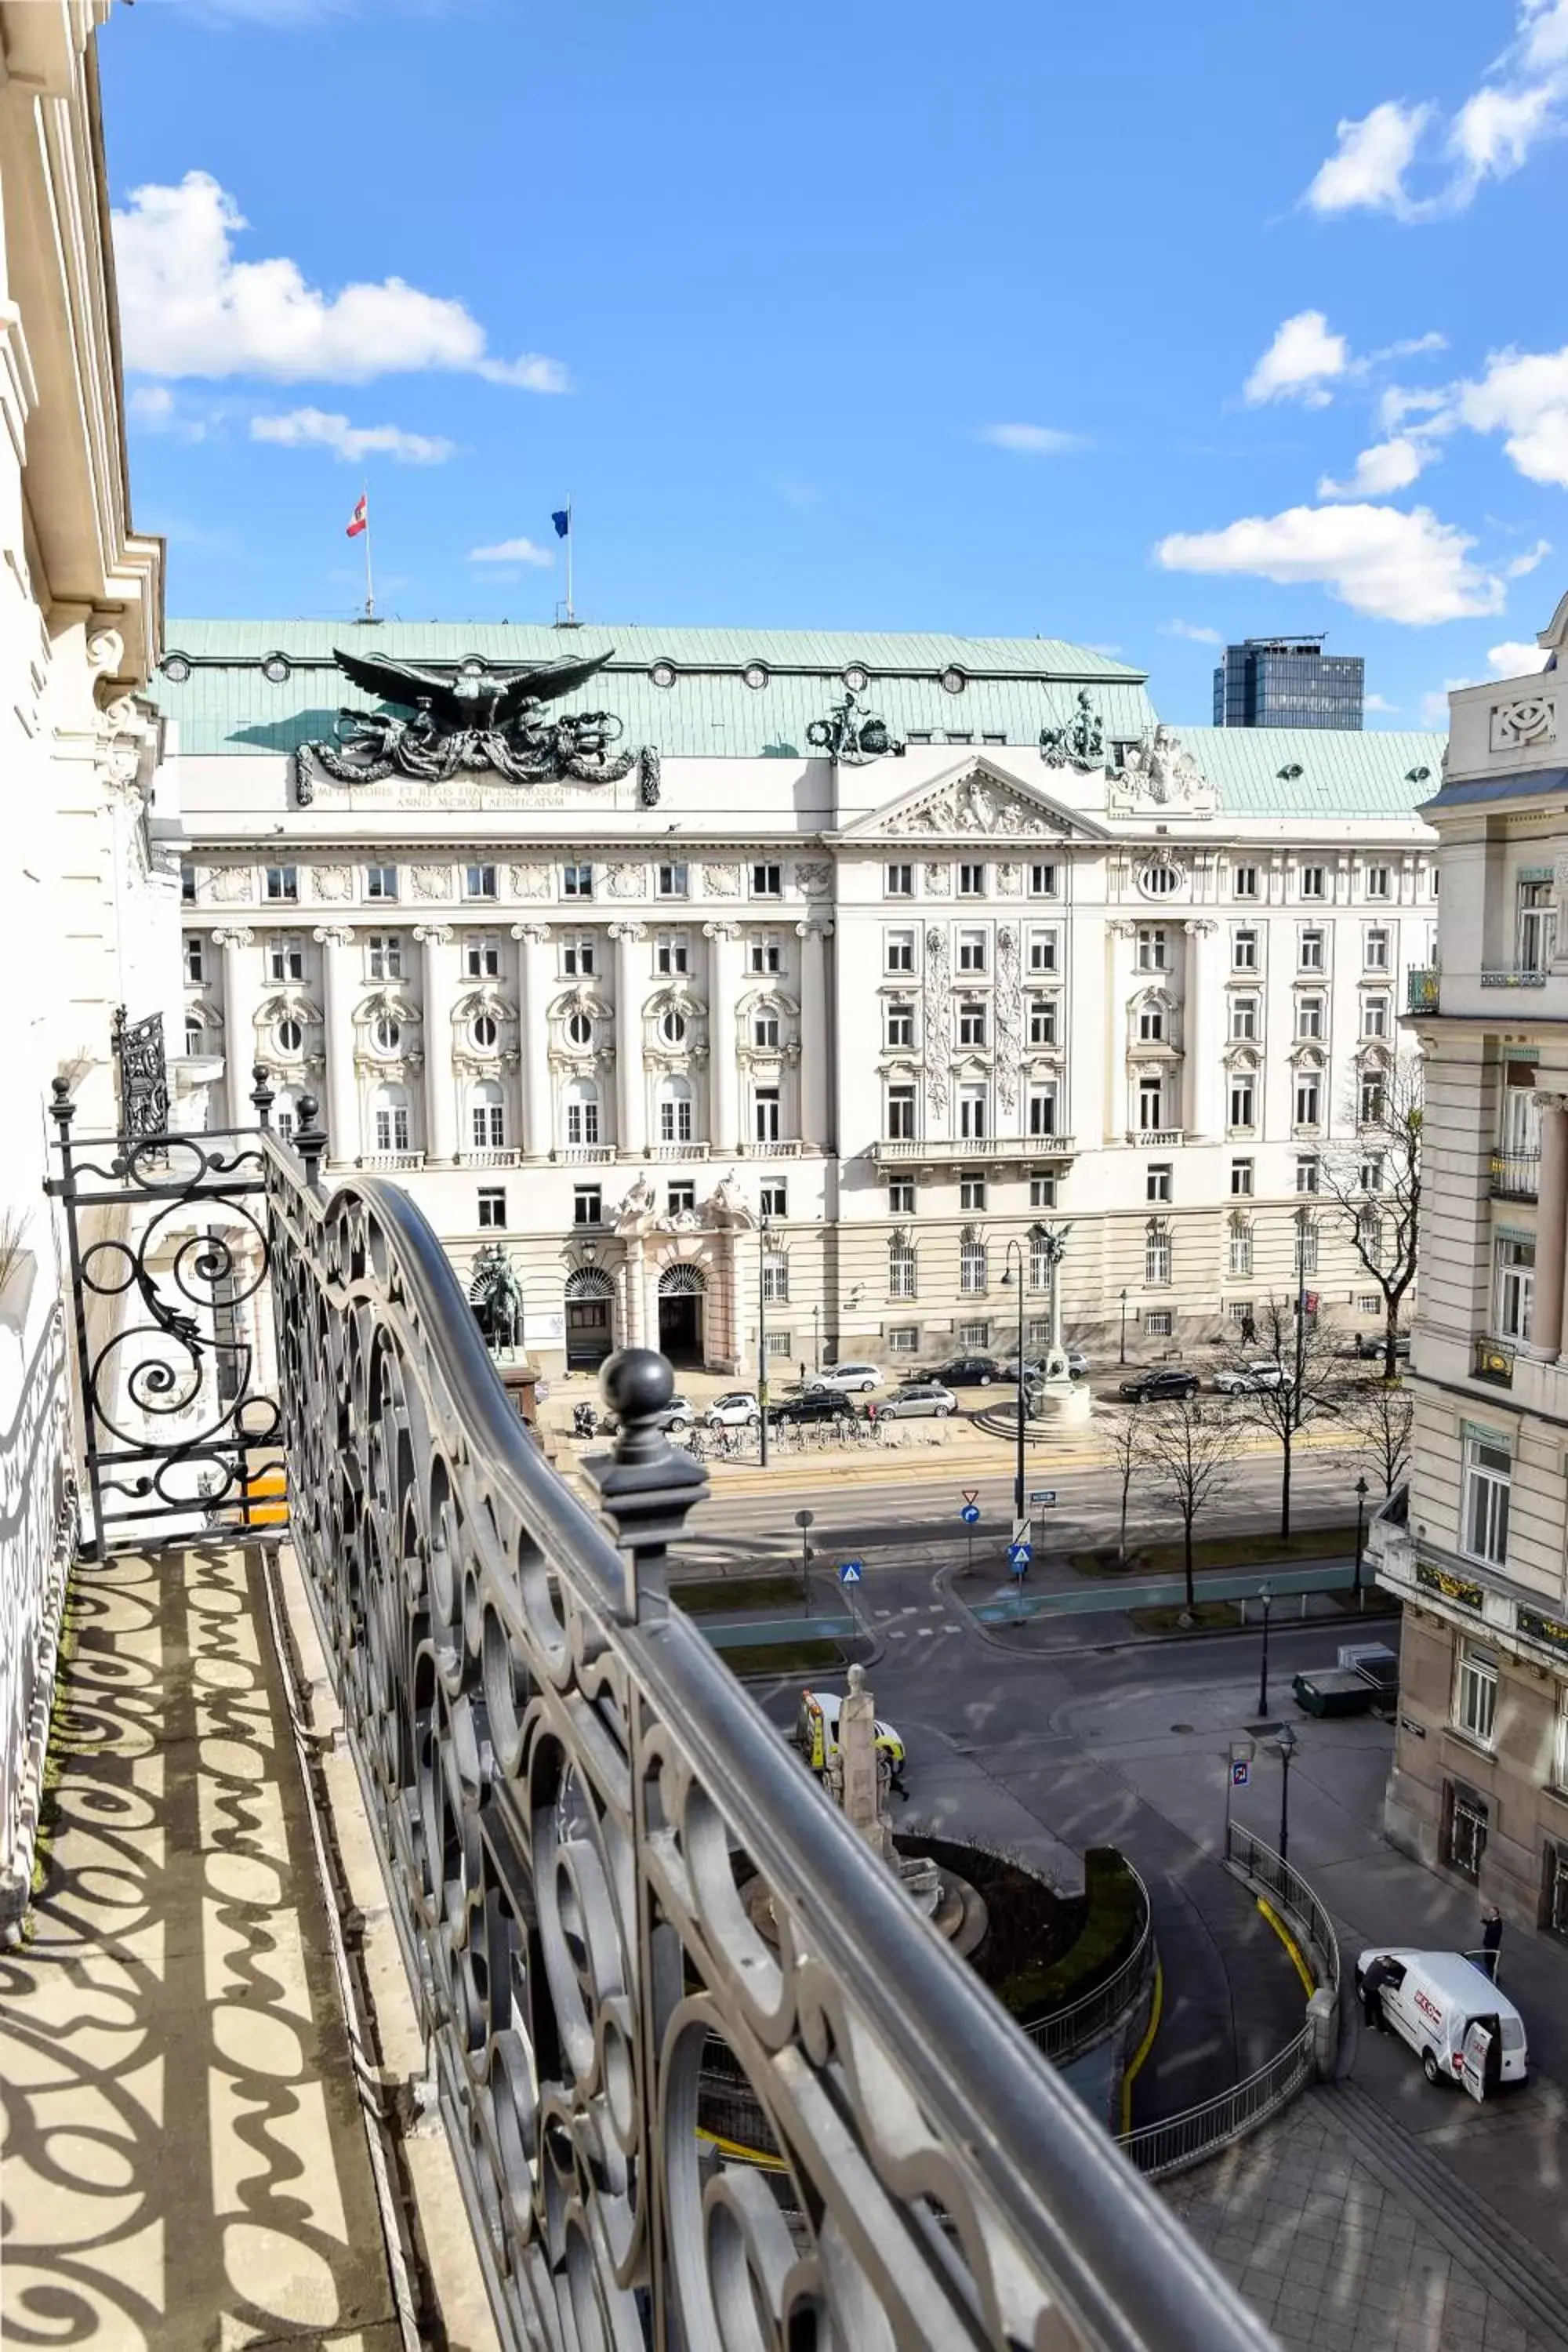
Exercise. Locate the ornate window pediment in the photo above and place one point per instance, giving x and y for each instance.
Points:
(974, 800)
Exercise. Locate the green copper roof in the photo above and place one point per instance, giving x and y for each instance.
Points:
(1012, 686)
(1342, 773)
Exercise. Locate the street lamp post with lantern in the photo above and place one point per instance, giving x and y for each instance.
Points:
(1122, 1355)
(1019, 1510)
(1285, 1748)
(1265, 1594)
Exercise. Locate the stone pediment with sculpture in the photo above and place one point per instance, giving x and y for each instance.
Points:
(979, 803)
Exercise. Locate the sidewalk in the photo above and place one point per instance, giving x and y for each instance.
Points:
(186, 2161)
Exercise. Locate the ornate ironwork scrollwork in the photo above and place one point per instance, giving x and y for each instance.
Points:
(143, 1074)
(614, 1887)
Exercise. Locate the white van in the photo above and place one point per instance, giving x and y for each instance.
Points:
(1453, 2016)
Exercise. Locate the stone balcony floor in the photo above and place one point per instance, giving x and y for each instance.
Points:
(185, 2161)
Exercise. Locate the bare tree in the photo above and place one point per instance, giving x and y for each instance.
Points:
(1283, 1331)
(1383, 1414)
(1128, 1455)
(1374, 1183)
(1189, 1450)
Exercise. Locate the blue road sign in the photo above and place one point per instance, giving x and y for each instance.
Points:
(1018, 1556)
(1240, 1772)
(1043, 1494)
(849, 1572)
(970, 1515)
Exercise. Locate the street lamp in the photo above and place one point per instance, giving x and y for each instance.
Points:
(816, 1339)
(763, 1342)
(1265, 1594)
(1285, 1748)
(1361, 1491)
(1008, 1279)
(1122, 1357)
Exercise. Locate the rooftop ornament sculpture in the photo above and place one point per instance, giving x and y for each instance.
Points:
(854, 736)
(472, 715)
(1081, 742)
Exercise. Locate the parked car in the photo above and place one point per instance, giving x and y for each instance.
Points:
(679, 1414)
(813, 1404)
(1153, 1388)
(968, 1372)
(736, 1408)
(1370, 1343)
(1434, 2001)
(1034, 1366)
(1245, 1379)
(916, 1397)
(847, 1379)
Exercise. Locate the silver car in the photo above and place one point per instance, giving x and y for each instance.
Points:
(734, 1410)
(927, 1397)
(847, 1379)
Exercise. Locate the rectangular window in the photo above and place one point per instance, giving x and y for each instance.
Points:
(773, 1200)
(900, 1114)
(283, 884)
(481, 959)
(972, 951)
(897, 881)
(1039, 1263)
(187, 882)
(767, 955)
(195, 969)
(1309, 1095)
(972, 1022)
(1308, 1016)
(1313, 882)
(1371, 1302)
(779, 1344)
(902, 1270)
(1307, 1172)
(766, 882)
(285, 958)
(583, 1122)
(903, 1339)
(576, 881)
(1369, 1174)
(385, 955)
(1464, 1838)
(1042, 1110)
(972, 1121)
(974, 1335)
(766, 1032)
(1243, 950)
(775, 1278)
(1150, 1023)
(766, 1106)
(1042, 1191)
(681, 1200)
(1042, 951)
(1374, 951)
(1489, 1474)
(487, 1123)
(1374, 1016)
(1377, 882)
(1372, 1102)
(392, 1127)
(1239, 1312)
(1244, 882)
(674, 880)
(1311, 950)
(972, 1269)
(1153, 948)
(1157, 1323)
(577, 955)
(1239, 1256)
(1243, 1103)
(1157, 1256)
(1475, 1692)
(899, 950)
(492, 1206)
(1515, 1284)
(971, 881)
(1307, 1255)
(1158, 1178)
(1537, 925)
(971, 1191)
(1554, 1869)
(1241, 1180)
(1150, 1105)
(1243, 1019)
(901, 1196)
(478, 882)
(380, 882)
(587, 1204)
(1042, 881)
(675, 1120)
(1042, 1021)
(670, 952)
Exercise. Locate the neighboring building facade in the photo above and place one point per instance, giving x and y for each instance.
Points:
(1479, 1784)
(1288, 682)
(89, 881)
(905, 1006)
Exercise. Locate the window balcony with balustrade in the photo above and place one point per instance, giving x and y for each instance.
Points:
(1515, 1175)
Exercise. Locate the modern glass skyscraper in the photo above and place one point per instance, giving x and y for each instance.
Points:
(1288, 682)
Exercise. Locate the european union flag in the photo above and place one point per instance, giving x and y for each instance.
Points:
(561, 518)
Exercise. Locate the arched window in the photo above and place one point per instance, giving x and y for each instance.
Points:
(485, 1032)
(972, 1268)
(1156, 1253)
(674, 1111)
(765, 1028)
(196, 1038)
(775, 1276)
(389, 1112)
(582, 1112)
(1039, 1262)
(487, 1116)
(1151, 1021)
(902, 1267)
(579, 1029)
(387, 1034)
(290, 1035)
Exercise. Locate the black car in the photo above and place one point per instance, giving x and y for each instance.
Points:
(1150, 1388)
(969, 1372)
(815, 1404)
(1371, 1344)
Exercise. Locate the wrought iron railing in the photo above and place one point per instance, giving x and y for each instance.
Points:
(1421, 989)
(613, 1884)
(1080, 2024)
(37, 1510)
(1515, 1175)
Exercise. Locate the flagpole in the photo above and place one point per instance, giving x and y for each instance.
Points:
(571, 615)
(369, 583)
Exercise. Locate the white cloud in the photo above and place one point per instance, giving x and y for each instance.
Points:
(1030, 440)
(1369, 165)
(306, 428)
(189, 308)
(1390, 565)
(1388, 465)
(1524, 397)
(1198, 632)
(1523, 565)
(512, 550)
(1377, 702)
(1544, 33)
(1515, 658)
(1301, 357)
(151, 403)
(1494, 130)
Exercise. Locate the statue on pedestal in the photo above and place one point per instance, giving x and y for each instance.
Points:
(858, 1777)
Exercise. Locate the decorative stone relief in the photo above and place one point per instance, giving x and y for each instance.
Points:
(813, 881)
(938, 1017)
(976, 804)
(721, 881)
(938, 881)
(430, 881)
(1157, 773)
(1010, 1016)
(627, 882)
(333, 882)
(231, 884)
(530, 881)
(1009, 881)
(1529, 720)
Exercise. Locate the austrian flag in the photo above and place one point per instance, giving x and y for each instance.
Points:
(361, 519)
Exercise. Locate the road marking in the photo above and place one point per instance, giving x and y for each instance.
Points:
(925, 1632)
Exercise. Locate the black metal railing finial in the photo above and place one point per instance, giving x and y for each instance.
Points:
(310, 1138)
(646, 1486)
(263, 1094)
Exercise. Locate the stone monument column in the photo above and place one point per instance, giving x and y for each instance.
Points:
(532, 996)
(238, 1021)
(441, 1101)
(335, 940)
(631, 1105)
(724, 1134)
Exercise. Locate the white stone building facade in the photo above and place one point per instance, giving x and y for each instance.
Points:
(905, 1009)
(1480, 1554)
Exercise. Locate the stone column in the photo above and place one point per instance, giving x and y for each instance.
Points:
(724, 1132)
(815, 1127)
(631, 1105)
(634, 1275)
(238, 1021)
(533, 1036)
(1546, 1331)
(440, 1103)
(334, 941)
(1200, 1053)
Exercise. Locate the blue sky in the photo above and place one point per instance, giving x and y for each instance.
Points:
(1107, 322)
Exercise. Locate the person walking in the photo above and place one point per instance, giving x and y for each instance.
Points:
(1372, 1986)
(1491, 1939)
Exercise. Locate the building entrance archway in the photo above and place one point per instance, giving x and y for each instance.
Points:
(589, 1293)
(681, 1301)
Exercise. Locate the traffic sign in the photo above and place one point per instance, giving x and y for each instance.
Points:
(804, 1519)
(970, 1514)
(1240, 1772)
(1043, 1494)
(1019, 1558)
(971, 1494)
(849, 1572)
